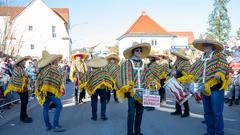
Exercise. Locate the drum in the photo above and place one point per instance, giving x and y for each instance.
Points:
(177, 91)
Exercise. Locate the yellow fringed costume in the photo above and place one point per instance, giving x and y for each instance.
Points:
(50, 80)
(216, 65)
(18, 81)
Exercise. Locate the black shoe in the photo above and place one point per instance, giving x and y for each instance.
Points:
(226, 100)
(94, 118)
(138, 134)
(58, 129)
(48, 128)
(176, 113)
(230, 103)
(104, 118)
(27, 120)
(237, 101)
(185, 115)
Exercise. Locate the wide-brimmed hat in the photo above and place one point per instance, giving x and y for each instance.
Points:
(20, 59)
(47, 59)
(113, 56)
(82, 54)
(97, 62)
(180, 53)
(146, 48)
(163, 54)
(199, 43)
(153, 55)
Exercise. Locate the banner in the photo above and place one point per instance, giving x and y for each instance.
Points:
(151, 101)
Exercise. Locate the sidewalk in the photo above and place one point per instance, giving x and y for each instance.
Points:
(9, 114)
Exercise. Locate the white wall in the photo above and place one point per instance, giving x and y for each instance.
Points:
(42, 19)
(180, 41)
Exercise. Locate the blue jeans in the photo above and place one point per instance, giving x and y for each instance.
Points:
(58, 109)
(231, 89)
(135, 112)
(213, 112)
(103, 99)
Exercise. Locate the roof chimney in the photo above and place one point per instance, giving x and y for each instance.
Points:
(144, 13)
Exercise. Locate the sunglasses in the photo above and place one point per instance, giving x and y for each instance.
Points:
(138, 50)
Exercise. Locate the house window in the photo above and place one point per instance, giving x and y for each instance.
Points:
(54, 31)
(32, 46)
(154, 42)
(30, 28)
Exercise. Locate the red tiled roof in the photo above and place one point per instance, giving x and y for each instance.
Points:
(15, 11)
(63, 13)
(146, 25)
(188, 34)
(11, 11)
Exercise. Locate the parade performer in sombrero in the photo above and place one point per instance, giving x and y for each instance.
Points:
(131, 79)
(156, 71)
(164, 70)
(212, 70)
(113, 69)
(181, 71)
(78, 68)
(50, 88)
(19, 83)
(97, 83)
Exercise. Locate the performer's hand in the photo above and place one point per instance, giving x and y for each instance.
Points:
(154, 84)
(216, 76)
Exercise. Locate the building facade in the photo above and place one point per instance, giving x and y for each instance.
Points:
(145, 29)
(37, 27)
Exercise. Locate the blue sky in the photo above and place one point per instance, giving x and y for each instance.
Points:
(103, 21)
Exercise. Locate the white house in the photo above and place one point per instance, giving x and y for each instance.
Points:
(145, 29)
(37, 27)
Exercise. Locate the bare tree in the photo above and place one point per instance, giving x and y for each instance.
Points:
(9, 44)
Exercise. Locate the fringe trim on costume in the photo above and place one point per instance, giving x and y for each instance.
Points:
(47, 88)
(125, 89)
(11, 87)
(213, 82)
(128, 88)
(82, 85)
(97, 87)
(186, 79)
(163, 75)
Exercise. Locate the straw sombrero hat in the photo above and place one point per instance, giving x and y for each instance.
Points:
(83, 55)
(113, 56)
(47, 59)
(163, 54)
(153, 55)
(20, 59)
(146, 47)
(180, 53)
(199, 43)
(97, 62)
